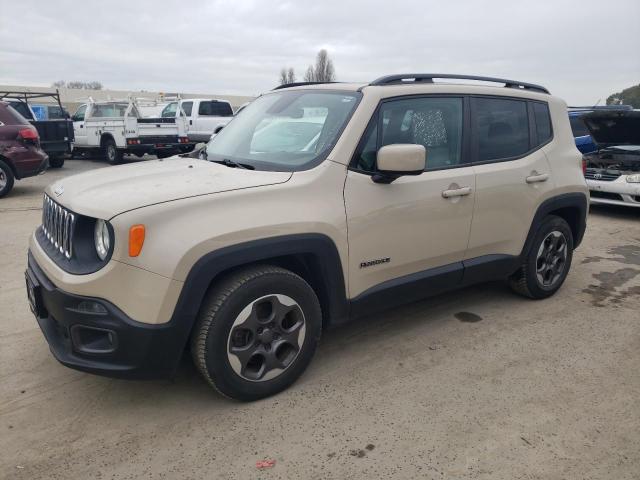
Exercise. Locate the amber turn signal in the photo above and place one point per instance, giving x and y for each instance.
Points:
(136, 240)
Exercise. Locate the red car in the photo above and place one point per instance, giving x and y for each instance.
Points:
(20, 152)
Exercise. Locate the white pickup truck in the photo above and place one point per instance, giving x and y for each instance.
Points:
(117, 127)
(204, 116)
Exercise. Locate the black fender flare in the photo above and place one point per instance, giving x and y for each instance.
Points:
(213, 264)
(574, 200)
(104, 136)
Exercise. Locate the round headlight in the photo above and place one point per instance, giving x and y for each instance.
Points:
(102, 239)
(635, 178)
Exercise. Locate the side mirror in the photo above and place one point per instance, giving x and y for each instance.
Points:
(399, 159)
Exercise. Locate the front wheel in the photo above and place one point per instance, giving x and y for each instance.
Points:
(257, 332)
(546, 265)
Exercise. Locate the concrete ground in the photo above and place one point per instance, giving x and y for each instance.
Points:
(521, 389)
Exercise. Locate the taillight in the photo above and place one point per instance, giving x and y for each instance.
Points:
(584, 165)
(184, 140)
(133, 141)
(28, 134)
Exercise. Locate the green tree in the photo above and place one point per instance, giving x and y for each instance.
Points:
(628, 96)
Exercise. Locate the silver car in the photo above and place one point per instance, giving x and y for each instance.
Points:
(613, 170)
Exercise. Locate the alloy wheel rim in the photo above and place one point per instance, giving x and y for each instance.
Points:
(266, 337)
(3, 179)
(551, 259)
(111, 152)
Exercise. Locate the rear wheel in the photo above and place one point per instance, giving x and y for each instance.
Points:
(6, 179)
(110, 152)
(56, 162)
(257, 332)
(546, 264)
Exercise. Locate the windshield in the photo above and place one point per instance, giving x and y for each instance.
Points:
(285, 131)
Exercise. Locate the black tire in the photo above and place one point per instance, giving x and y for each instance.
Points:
(540, 276)
(110, 152)
(56, 162)
(248, 290)
(6, 179)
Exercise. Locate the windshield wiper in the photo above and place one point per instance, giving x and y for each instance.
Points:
(230, 163)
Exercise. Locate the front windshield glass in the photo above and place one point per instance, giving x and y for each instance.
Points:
(284, 130)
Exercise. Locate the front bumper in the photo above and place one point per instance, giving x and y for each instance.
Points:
(616, 192)
(105, 342)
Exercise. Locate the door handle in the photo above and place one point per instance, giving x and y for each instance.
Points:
(81, 126)
(190, 122)
(538, 177)
(457, 192)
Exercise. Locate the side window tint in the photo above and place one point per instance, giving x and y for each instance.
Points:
(204, 108)
(187, 107)
(366, 159)
(543, 122)
(502, 128)
(433, 122)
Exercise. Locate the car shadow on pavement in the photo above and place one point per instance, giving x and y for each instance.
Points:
(340, 345)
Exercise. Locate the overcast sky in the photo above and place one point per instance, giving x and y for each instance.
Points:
(582, 50)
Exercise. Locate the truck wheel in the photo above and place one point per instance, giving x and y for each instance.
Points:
(257, 332)
(546, 264)
(56, 162)
(111, 152)
(6, 179)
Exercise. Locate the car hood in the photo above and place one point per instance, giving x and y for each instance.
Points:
(614, 127)
(106, 192)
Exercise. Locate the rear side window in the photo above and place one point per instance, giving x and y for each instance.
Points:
(9, 116)
(501, 128)
(187, 107)
(543, 122)
(22, 109)
(578, 127)
(213, 108)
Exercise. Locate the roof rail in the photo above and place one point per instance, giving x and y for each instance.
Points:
(410, 78)
(299, 84)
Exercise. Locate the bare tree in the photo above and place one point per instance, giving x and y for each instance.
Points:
(283, 76)
(287, 76)
(93, 85)
(322, 71)
(310, 75)
(78, 85)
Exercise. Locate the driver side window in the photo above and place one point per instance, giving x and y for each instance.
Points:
(79, 115)
(434, 122)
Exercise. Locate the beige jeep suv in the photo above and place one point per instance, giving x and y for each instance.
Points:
(317, 204)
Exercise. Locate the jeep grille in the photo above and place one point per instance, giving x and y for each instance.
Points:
(57, 225)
